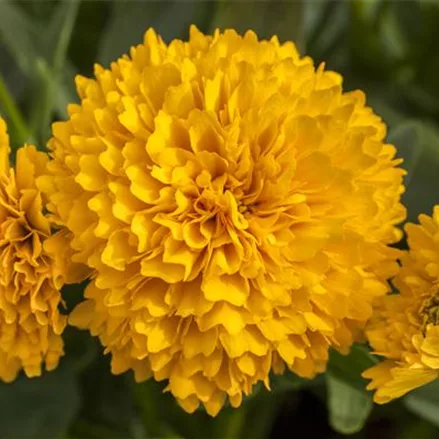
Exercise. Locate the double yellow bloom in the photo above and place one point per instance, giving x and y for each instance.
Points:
(34, 264)
(231, 205)
(405, 327)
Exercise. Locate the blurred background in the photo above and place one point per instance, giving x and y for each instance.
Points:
(388, 49)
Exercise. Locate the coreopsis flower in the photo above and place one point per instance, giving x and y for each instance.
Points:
(234, 206)
(32, 267)
(405, 329)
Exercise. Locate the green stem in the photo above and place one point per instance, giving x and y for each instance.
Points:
(16, 120)
(154, 425)
(146, 406)
(235, 423)
(137, 429)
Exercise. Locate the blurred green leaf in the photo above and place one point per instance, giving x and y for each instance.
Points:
(16, 124)
(348, 368)
(425, 402)
(400, 28)
(392, 36)
(109, 404)
(286, 382)
(261, 416)
(262, 409)
(12, 74)
(81, 349)
(418, 144)
(233, 424)
(125, 28)
(130, 19)
(326, 29)
(381, 102)
(348, 407)
(40, 49)
(284, 19)
(56, 38)
(152, 401)
(93, 18)
(255, 417)
(409, 19)
(39, 407)
(85, 429)
(66, 93)
(37, 10)
(366, 42)
(314, 15)
(422, 97)
(419, 428)
(55, 44)
(425, 62)
(19, 34)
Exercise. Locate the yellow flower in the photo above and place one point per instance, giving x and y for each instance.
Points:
(31, 269)
(234, 206)
(405, 329)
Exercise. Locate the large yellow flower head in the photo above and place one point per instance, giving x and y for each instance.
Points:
(405, 329)
(31, 272)
(234, 206)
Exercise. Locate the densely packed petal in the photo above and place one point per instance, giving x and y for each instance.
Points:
(33, 267)
(405, 328)
(234, 207)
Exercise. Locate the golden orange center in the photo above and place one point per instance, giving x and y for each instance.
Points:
(429, 311)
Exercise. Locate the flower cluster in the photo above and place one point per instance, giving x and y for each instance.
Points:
(32, 268)
(234, 207)
(405, 327)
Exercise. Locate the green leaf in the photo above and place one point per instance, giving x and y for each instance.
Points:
(409, 19)
(152, 402)
(125, 28)
(234, 423)
(19, 34)
(348, 368)
(108, 411)
(16, 124)
(255, 417)
(39, 48)
(423, 97)
(130, 19)
(284, 19)
(54, 45)
(260, 409)
(39, 407)
(80, 349)
(392, 35)
(261, 414)
(326, 27)
(56, 38)
(382, 104)
(66, 92)
(418, 144)
(286, 382)
(348, 407)
(93, 17)
(425, 402)
(38, 10)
